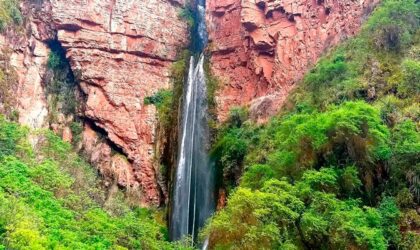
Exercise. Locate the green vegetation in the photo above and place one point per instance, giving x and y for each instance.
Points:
(159, 98)
(51, 199)
(338, 168)
(163, 100)
(187, 14)
(8, 85)
(212, 84)
(167, 101)
(307, 214)
(9, 14)
(61, 86)
(76, 128)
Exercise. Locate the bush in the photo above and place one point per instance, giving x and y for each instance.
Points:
(187, 14)
(345, 146)
(55, 60)
(229, 153)
(393, 25)
(159, 98)
(11, 136)
(279, 215)
(76, 128)
(8, 85)
(61, 87)
(256, 175)
(9, 14)
(51, 199)
(406, 155)
(410, 85)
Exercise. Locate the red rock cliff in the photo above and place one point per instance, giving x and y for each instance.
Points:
(122, 51)
(261, 48)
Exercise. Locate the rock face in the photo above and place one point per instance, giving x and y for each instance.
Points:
(121, 51)
(27, 55)
(261, 48)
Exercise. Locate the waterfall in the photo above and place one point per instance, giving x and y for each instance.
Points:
(193, 194)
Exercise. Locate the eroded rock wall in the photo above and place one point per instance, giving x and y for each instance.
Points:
(121, 51)
(24, 52)
(261, 48)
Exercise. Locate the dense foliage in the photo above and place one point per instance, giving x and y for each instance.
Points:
(339, 167)
(51, 199)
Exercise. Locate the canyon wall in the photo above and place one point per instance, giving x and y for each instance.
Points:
(120, 51)
(261, 48)
(24, 54)
(123, 50)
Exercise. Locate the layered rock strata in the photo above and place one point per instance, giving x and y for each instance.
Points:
(261, 48)
(24, 52)
(121, 51)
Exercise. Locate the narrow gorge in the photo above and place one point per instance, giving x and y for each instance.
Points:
(193, 194)
(233, 124)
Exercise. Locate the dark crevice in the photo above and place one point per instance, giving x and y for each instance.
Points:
(61, 83)
(103, 135)
(261, 5)
(327, 11)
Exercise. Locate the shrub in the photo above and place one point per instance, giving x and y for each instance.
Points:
(256, 175)
(406, 153)
(9, 13)
(278, 215)
(61, 87)
(8, 85)
(393, 24)
(76, 128)
(356, 111)
(410, 85)
(55, 60)
(11, 135)
(51, 199)
(187, 14)
(159, 98)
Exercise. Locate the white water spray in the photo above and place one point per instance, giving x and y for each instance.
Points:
(193, 194)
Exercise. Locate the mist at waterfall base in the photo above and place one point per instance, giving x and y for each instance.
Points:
(193, 192)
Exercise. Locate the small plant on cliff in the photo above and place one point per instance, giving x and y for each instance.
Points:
(76, 130)
(212, 83)
(159, 98)
(187, 14)
(163, 100)
(167, 101)
(8, 85)
(9, 13)
(61, 87)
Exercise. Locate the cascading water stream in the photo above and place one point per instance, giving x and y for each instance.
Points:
(193, 194)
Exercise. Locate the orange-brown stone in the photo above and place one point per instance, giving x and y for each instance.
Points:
(122, 51)
(261, 48)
